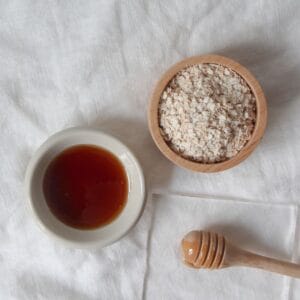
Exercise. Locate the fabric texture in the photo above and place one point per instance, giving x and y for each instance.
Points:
(95, 63)
(250, 225)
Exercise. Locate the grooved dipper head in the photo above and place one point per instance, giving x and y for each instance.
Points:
(201, 249)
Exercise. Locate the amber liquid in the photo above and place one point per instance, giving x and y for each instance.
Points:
(86, 187)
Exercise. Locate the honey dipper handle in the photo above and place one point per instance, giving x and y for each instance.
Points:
(238, 257)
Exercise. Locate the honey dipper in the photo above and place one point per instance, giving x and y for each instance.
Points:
(202, 249)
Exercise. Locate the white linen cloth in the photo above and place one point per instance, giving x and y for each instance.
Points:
(95, 63)
(251, 225)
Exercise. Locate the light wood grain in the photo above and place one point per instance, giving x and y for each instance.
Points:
(261, 118)
(212, 251)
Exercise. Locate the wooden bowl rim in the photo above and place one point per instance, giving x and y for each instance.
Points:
(261, 114)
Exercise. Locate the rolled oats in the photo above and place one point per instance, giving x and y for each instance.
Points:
(207, 113)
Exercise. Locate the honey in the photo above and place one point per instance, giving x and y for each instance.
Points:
(85, 187)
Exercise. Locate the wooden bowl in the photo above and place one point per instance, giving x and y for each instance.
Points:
(261, 114)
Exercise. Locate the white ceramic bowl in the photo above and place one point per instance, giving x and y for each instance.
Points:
(69, 236)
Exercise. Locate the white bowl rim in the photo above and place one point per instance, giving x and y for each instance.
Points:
(33, 163)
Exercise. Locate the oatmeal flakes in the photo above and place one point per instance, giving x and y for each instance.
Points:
(207, 113)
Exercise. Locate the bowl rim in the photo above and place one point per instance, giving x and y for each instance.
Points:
(261, 114)
(51, 142)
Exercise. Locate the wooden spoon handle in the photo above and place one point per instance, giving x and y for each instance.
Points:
(239, 257)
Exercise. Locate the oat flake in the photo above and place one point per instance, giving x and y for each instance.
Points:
(207, 113)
